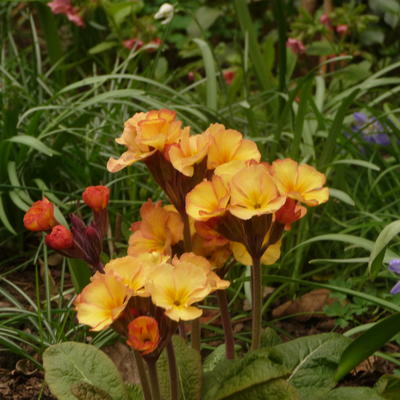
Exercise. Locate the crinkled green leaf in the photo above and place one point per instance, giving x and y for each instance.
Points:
(70, 363)
(312, 361)
(351, 393)
(388, 386)
(232, 379)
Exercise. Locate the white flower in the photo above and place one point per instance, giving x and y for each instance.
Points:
(166, 13)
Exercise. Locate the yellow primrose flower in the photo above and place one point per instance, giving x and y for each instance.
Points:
(300, 182)
(214, 281)
(177, 287)
(227, 145)
(133, 271)
(102, 301)
(191, 150)
(253, 192)
(208, 199)
(159, 229)
(270, 256)
(144, 134)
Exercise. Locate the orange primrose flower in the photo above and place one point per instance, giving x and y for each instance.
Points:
(228, 145)
(208, 199)
(143, 334)
(40, 217)
(133, 271)
(102, 301)
(253, 192)
(189, 151)
(144, 134)
(159, 229)
(300, 182)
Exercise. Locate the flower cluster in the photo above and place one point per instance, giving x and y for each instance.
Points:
(84, 242)
(370, 129)
(143, 296)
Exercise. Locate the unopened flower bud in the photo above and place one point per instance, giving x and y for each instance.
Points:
(342, 29)
(296, 45)
(40, 217)
(325, 20)
(143, 334)
(60, 238)
(96, 197)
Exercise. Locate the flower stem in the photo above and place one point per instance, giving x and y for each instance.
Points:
(256, 285)
(173, 373)
(142, 376)
(226, 323)
(155, 387)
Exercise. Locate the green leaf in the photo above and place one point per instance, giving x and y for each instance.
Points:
(68, 364)
(103, 46)
(211, 79)
(4, 218)
(388, 386)
(352, 393)
(361, 163)
(204, 17)
(119, 10)
(212, 360)
(34, 143)
(134, 392)
(321, 48)
(369, 342)
(189, 371)
(312, 361)
(86, 391)
(269, 338)
(339, 194)
(80, 273)
(235, 379)
(378, 251)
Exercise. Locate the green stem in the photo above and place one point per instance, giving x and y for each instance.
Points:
(256, 285)
(173, 373)
(155, 387)
(227, 324)
(142, 376)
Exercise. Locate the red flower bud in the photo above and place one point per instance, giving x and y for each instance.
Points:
(60, 238)
(143, 334)
(296, 45)
(40, 217)
(96, 197)
(229, 76)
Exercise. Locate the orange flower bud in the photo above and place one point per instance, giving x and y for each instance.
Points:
(40, 217)
(60, 238)
(96, 197)
(143, 334)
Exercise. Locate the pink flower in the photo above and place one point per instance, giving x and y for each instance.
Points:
(296, 45)
(60, 6)
(325, 20)
(229, 75)
(190, 76)
(342, 29)
(74, 17)
(133, 42)
(153, 45)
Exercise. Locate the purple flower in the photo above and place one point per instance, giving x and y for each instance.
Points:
(370, 129)
(394, 266)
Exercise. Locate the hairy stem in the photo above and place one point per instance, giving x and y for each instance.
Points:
(227, 325)
(155, 386)
(142, 376)
(256, 286)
